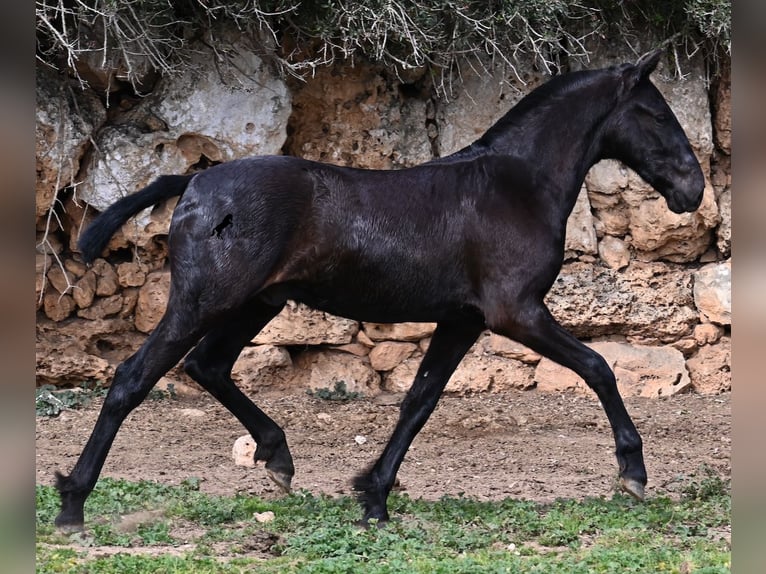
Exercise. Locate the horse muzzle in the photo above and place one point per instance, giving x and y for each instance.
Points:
(686, 195)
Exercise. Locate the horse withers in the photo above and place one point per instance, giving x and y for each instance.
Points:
(472, 241)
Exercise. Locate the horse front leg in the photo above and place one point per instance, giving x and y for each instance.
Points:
(449, 344)
(539, 331)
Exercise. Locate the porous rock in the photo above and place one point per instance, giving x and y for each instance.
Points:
(710, 368)
(323, 369)
(298, 324)
(712, 292)
(640, 371)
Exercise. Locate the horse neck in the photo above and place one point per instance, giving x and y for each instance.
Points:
(560, 138)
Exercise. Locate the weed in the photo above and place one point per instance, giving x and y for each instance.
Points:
(50, 401)
(339, 392)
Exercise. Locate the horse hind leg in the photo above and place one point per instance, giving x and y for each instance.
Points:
(175, 334)
(210, 364)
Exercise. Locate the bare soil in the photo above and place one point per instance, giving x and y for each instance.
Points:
(522, 444)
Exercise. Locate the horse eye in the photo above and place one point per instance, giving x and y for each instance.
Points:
(662, 117)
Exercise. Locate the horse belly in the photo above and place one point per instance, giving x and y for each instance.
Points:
(387, 291)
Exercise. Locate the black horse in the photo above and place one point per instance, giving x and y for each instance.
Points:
(472, 241)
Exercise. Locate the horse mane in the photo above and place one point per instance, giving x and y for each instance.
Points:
(547, 95)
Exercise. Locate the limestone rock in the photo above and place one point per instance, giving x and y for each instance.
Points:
(102, 307)
(131, 274)
(493, 344)
(614, 252)
(85, 289)
(354, 115)
(70, 367)
(474, 374)
(639, 370)
(262, 366)
(580, 232)
(647, 301)
(723, 233)
(223, 107)
(398, 331)
(606, 178)
(710, 368)
(712, 292)
(400, 379)
(152, 300)
(325, 368)
(57, 306)
(481, 101)
(490, 373)
(658, 233)
(60, 279)
(388, 354)
(357, 349)
(106, 278)
(65, 119)
(129, 159)
(243, 451)
(72, 351)
(722, 105)
(707, 334)
(298, 324)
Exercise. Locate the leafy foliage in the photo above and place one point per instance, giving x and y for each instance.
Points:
(339, 392)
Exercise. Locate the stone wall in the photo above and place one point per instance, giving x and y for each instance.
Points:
(647, 288)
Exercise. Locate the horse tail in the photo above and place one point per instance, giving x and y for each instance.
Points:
(97, 235)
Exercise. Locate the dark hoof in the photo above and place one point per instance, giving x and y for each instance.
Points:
(282, 480)
(69, 527)
(633, 487)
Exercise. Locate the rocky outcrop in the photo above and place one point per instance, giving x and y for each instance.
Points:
(65, 120)
(649, 289)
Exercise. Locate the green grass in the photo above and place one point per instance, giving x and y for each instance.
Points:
(149, 527)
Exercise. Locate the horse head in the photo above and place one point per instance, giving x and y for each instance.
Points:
(643, 133)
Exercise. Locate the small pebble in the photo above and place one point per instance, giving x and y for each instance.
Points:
(262, 517)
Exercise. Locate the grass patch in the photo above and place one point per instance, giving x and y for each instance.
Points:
(180, 529)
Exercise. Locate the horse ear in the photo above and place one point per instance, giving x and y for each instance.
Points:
(632, 74)
(648, 62)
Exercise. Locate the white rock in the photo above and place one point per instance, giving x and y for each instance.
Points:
(243, 450)
(264, 517)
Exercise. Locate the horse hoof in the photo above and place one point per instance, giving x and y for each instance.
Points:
(69, 528)
(633, 487)
(282, 480)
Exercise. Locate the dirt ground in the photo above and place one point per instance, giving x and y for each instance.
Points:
(522, 444)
